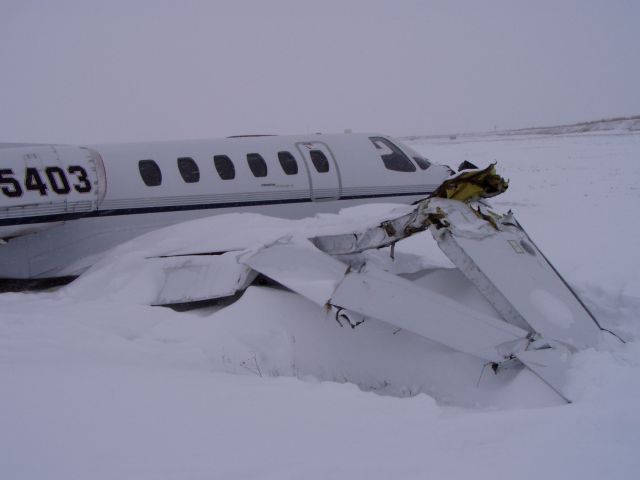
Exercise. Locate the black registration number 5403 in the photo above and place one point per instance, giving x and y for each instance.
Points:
(55, 179)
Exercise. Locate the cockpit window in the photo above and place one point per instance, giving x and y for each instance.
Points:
(225, 167)
(189, 170)
(150, 173)
(422, 162)
(288, 163)
(257, 164)
(392, 157)
(319, 161)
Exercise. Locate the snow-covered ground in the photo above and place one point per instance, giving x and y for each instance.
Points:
(93, 384)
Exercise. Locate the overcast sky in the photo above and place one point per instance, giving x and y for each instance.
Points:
(102, 71)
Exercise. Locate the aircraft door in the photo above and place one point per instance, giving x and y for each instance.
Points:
(324, 175)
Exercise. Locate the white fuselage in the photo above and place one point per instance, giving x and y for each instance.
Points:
(61, 206)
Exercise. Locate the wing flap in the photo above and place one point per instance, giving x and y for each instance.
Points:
(303, 269)
(514, 276)
(193, 278)
(375, 293)
(372, 292)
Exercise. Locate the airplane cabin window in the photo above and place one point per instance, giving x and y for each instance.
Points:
(319, 161)
(257, 164)
(150, 173)
(189, 170)
(225, 167)
(288, 163)
(392, 157)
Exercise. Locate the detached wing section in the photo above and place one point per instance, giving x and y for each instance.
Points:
(539, 320)
(377, 294)
(514, 275)
(373, 293)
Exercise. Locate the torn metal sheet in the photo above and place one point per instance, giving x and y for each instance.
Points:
(464, 187)
(472, 184)
(192, 278)
(386, 233)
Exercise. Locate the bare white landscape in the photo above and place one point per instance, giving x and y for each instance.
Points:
(95, 384)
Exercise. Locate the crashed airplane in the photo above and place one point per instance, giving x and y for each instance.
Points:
(536, 320)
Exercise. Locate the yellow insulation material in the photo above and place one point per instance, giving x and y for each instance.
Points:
(471, 185)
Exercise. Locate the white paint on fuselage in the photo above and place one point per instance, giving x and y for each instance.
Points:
(357, 170)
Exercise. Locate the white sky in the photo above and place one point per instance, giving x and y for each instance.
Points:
(94, 71)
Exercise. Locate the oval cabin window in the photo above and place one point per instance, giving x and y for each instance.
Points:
(288, 163)
(319, 161)
(257, 164)
(150, 173)
(225, 167)
(189, 169)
